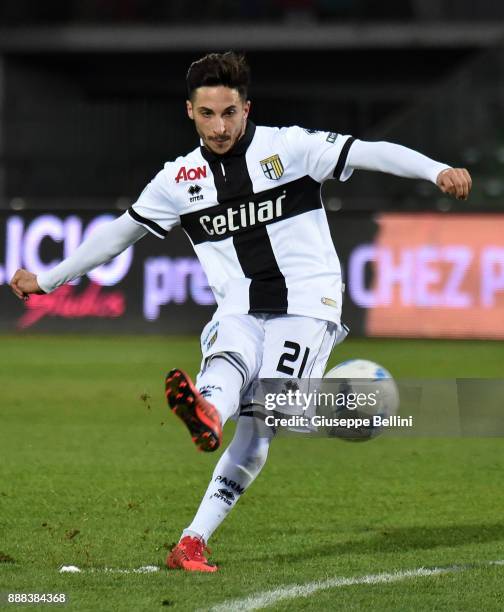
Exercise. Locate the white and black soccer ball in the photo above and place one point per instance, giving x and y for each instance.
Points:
(359, 377)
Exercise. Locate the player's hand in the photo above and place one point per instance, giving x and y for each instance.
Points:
(23, 283)
(456, 182)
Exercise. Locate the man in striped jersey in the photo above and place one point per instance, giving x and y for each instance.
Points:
(249, 200)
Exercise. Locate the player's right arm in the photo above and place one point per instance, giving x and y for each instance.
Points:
(105, 243)
(154, 212)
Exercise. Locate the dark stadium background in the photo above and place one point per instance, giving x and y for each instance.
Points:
(94, 470)
(92, 104)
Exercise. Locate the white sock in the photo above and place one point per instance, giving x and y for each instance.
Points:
(235, 471)
(221, 383)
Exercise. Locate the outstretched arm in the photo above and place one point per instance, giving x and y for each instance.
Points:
(103, 244)
(402, 161)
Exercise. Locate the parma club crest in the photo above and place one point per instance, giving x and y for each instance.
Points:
(272, 167)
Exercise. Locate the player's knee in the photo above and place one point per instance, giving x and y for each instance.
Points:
(233, 359)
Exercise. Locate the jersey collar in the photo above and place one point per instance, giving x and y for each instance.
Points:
(239, 149)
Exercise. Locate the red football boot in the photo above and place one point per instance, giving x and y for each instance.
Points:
(188, 555)
(200, 416)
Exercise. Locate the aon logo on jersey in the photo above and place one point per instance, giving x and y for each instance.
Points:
(242, 216)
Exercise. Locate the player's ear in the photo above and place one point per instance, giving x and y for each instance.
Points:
(189, 109)
(246, 109)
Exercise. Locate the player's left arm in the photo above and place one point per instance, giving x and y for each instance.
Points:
(101, 246)
(402, 161)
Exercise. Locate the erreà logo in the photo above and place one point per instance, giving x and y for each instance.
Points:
(193, 174)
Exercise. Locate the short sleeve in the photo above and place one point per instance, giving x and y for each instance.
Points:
(323, 155)
(155, 209)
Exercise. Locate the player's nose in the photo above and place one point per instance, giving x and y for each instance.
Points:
(219, 126)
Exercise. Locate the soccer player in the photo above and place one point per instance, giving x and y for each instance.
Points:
(248, 198)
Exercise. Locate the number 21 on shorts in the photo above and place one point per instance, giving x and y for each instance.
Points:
(291, 356)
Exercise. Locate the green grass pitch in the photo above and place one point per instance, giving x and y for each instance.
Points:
(95, 472)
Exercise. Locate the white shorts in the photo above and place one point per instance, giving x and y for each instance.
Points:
(272, 346)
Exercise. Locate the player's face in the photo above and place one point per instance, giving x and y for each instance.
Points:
(219, 115)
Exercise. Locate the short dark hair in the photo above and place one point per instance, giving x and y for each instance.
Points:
(229, 69)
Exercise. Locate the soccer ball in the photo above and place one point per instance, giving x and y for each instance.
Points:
(368, 392)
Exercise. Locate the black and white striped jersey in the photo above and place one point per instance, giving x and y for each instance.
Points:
(256, 220)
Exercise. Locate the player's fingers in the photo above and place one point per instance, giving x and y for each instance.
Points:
(468, 178)
(14, 284)
(17, 291)
(466, 182)
(464, 179)
(466, 185)
(446, 183)
(459, 183)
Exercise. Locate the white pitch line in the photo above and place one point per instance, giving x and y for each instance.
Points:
(146, 569)
(268, 598)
